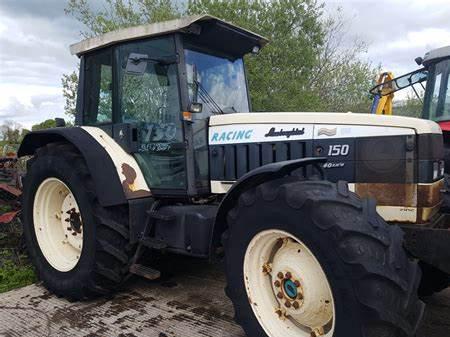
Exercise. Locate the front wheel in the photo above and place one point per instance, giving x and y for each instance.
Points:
(309, 258)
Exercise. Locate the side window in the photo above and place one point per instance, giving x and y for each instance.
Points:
(148, 87)
(98, 88)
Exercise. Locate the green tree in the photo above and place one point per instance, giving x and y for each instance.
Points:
(47, 124)
(120, 14)
(10, 132)
(279, 75)
(70, 86)
(410, 107)
(305, 67)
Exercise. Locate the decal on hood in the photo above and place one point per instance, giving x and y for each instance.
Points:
(258, 133)
(327, 132)
(282, 133)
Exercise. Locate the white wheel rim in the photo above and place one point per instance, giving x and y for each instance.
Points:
(58, 224)
(287, 288)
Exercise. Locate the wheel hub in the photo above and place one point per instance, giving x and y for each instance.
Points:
(74, 220)
(291, 295)
(290, 289)
(303, 277)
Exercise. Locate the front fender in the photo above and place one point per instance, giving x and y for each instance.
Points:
(257, 177)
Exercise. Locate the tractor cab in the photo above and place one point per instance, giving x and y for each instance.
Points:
(432, 78)
(152, 88)
(437, 96)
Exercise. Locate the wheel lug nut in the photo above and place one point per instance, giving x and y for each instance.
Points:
(296, 305)
(277, 284)
(267, 268)
(288, 275)
(280, 275)
(287, 304)
(280, 295)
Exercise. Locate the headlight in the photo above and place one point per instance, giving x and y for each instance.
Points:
(435, 170)
(441, 168)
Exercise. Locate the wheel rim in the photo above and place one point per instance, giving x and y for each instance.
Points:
(58, 224)
(287, 288)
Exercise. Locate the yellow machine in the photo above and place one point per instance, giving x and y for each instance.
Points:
(382, 102)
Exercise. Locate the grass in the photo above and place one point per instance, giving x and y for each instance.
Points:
(15, 269)
(14, 276)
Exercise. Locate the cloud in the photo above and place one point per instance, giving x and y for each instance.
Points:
(35, 36)
(397, 31)
(29, 111)
(35, 8)
(34, 54)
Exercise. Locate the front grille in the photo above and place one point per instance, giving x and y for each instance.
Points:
(230, 162)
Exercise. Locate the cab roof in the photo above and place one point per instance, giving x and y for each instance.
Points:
(436, 54)
(218, 32)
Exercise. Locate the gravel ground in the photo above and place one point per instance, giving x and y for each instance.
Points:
(189, 302)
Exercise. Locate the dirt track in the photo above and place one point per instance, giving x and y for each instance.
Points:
(190, 302)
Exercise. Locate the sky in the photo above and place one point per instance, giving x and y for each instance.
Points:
(35, 36)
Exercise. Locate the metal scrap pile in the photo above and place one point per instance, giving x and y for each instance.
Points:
(9, 189)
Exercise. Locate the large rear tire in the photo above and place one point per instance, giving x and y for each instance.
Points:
(79, 249)
(309, 258)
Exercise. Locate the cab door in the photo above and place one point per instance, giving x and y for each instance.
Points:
(149, 109)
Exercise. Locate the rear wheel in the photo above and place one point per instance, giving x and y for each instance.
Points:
(309, 258)
(79, 248)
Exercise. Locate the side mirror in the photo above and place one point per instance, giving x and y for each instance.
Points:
(136, 64)
(196, 108)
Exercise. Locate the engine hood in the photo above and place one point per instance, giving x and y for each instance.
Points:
(420, 126)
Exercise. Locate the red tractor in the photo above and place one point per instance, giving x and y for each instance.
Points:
(435, 71)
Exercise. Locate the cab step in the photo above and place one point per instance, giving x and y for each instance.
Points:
(153, 243)
(144, 271)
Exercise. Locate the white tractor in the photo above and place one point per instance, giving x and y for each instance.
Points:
(323, 217)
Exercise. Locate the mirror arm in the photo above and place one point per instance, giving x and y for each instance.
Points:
(415, 91)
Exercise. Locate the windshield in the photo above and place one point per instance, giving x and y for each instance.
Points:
(217, 82)
(437, 106)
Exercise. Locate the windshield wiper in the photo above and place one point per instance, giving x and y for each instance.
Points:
(206, 97)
